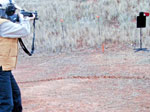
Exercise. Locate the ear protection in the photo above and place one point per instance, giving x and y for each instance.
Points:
(10, 10)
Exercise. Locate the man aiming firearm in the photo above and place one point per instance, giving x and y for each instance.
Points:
(10, 96)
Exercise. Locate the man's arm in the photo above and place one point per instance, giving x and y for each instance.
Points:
(15, 30)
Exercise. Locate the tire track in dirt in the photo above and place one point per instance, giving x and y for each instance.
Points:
(89, 77)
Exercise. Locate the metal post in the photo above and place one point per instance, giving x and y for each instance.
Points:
(62, 31)
(141, 38)
(99, 26)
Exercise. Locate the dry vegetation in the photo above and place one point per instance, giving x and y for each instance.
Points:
(81, 26)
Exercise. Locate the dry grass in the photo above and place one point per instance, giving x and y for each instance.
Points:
(81, 27)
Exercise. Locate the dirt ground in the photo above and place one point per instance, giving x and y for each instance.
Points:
(86, 80)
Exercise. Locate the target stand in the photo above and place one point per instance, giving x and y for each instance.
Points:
(141, 23)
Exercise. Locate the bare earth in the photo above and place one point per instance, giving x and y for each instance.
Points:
(88, 80)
